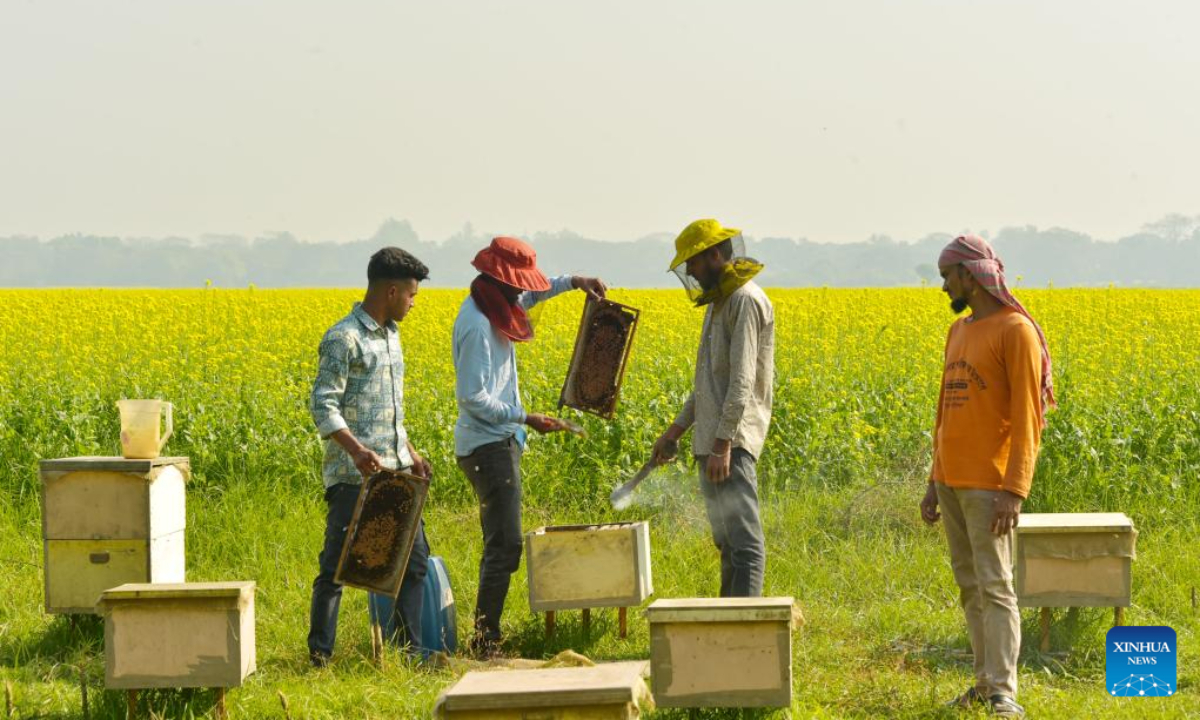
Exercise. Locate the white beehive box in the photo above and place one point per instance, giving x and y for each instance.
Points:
(1074, 559)
(588, 566)
(721, 652)
(178, 635)
(611, 691)
(109, 521)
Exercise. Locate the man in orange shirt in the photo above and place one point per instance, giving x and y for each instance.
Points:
(991, 410)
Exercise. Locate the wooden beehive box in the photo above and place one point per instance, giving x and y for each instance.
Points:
(721, 652)
(382, 531)
(1074, 559)
(178, 635)
(611, 691)
(588, 566)
(110, 521)
(601, 355)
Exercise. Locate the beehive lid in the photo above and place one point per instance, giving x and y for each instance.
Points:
(721, 610)
(1040, 523)
(108, 464)
(605, 684)
(586, 528)
(240, 589)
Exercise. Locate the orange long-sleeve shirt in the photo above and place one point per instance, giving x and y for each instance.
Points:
(989, 418)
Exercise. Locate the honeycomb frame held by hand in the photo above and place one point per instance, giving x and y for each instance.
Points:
(382, 531)
(601, 355)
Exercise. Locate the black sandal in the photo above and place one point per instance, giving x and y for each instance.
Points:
(970, 699)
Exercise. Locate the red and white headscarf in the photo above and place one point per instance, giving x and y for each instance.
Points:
(976, 255)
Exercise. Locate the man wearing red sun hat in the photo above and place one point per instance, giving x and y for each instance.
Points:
(489, 436)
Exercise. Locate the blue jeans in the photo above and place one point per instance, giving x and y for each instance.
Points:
(327, 595)
(736, 526)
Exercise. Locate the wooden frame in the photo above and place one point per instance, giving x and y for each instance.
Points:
(382, 531)
(585, 352)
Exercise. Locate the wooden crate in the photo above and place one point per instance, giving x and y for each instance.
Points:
(611, 691)
(382, 531)
(588, 566)
(1074, 559)
(178, 635)
(110, 521)
(721, 652)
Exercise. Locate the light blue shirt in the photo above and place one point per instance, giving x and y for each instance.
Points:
(485, 368)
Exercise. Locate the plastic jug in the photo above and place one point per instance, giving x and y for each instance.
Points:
(140, 434)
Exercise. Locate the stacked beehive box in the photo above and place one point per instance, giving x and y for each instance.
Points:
(110, 521)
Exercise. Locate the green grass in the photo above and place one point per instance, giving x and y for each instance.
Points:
(884, 636)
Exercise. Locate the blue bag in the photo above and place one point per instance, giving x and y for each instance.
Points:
(439, 625)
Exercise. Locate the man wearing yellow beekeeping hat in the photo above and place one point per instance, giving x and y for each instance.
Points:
(729, 410)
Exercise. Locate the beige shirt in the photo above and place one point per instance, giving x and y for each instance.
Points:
(735, 373)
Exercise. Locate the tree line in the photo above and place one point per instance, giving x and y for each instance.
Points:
(1165, 253)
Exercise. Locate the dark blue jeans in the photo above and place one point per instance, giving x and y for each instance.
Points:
(736, 526)
(327, 595)
(495, 473)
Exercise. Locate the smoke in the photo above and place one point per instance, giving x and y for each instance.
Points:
(672, 492)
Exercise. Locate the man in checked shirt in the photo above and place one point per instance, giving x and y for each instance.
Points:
(358, 406)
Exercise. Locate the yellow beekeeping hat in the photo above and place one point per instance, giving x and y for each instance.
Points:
(698, 237)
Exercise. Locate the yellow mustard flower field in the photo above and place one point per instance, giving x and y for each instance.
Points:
(845, 465)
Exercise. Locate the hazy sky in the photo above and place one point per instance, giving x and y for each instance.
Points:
(827, 120)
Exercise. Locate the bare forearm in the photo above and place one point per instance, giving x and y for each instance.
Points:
(675, 432)
(347, 441)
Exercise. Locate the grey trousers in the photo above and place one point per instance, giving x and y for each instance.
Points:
(495, 474)
(736, 525)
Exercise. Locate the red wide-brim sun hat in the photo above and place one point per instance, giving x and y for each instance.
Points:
(512, 262)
